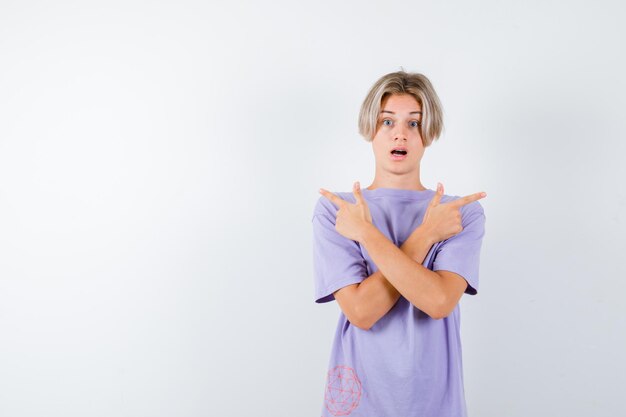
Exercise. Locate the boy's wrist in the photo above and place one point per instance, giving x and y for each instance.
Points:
(367, 232)
(422, 234)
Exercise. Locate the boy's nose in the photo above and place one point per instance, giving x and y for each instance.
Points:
(400, 133)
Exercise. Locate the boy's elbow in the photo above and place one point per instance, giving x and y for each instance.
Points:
(361, 320)
(361, 325)
(437, 316)
(440, 311)
(433, 311)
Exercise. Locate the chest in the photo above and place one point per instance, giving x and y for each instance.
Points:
(397, 222)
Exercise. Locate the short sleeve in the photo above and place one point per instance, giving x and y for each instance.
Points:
(337, 260)
(461, 252)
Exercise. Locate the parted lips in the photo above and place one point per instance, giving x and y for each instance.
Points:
(399, 150)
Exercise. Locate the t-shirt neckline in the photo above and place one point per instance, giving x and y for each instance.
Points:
(398, 192)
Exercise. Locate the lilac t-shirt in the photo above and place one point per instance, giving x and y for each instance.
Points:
(407, 364)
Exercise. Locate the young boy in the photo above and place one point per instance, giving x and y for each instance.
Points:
(397, 257)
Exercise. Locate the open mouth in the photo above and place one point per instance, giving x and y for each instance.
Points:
(398, 154)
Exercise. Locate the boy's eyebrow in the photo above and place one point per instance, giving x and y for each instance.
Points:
(387, 111)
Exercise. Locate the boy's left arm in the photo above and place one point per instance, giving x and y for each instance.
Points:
(434, 292)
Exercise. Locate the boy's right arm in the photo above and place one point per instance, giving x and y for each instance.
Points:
(365, 303)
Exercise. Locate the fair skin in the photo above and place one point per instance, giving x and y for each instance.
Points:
(366, 303)
(400, 270)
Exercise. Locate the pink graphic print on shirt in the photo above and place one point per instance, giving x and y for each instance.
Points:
(343, 391)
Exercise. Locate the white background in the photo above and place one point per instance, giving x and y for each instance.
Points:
(159, 165)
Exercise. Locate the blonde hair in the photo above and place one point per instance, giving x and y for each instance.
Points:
(401, 82)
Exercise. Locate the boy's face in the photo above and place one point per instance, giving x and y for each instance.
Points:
(397, 126)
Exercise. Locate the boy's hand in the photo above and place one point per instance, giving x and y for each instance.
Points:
(352, 219)
(442, 221)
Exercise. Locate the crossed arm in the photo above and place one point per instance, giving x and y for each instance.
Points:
(400, 272)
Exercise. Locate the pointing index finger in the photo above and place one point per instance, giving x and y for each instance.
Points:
(338, 201)
(468, 199)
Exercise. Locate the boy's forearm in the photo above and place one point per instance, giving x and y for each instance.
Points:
(418, 244)
(419, 285)
(376, 295)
